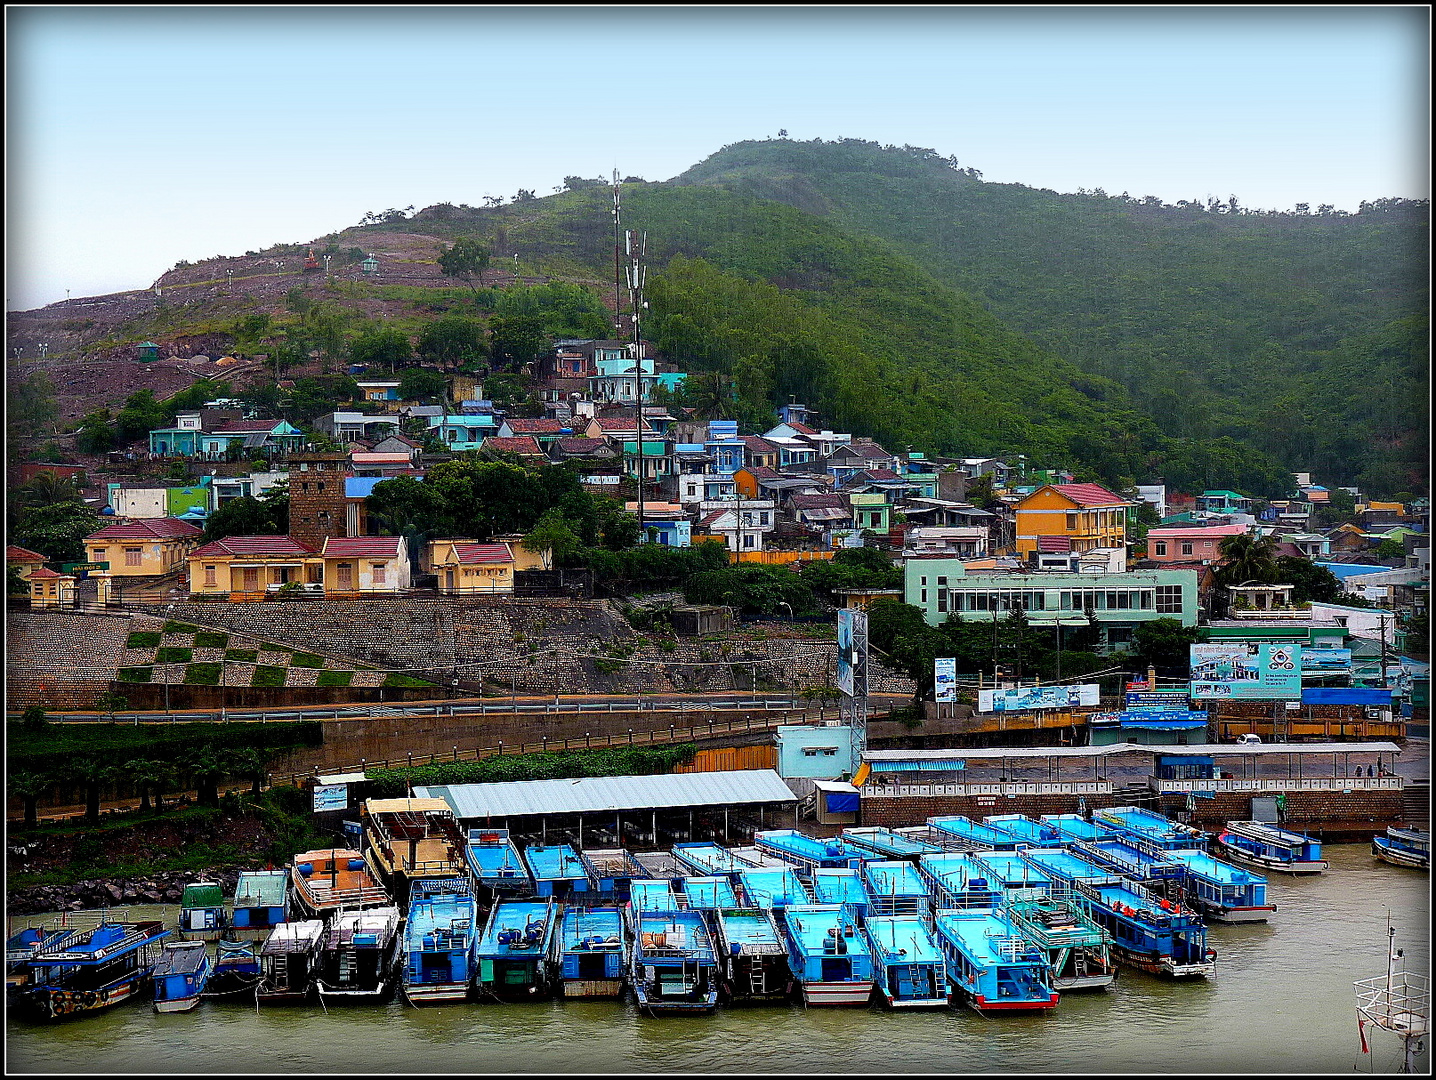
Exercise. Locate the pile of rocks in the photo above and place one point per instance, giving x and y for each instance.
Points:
(162, 888)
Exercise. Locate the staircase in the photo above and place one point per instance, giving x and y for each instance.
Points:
(1416, 803)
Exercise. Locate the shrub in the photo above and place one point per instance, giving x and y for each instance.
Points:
(397, 680)
(306, 659)
(244, 656)
(268, 676)
(142, 639)
(210, 639)
(173, 654)
(172, 627)
(134, 674)
(203, 674)
(335, 678)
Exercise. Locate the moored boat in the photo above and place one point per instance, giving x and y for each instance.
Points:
(990, 965)
(93, 968)
(328, 879)
(261, 902)
(411, 839)
(829, 955)
(289, 961)
(202, 915)
(513, 951)
(1060, 923)
(1220, 891)
(360, 952)
(752, 959)
(673, 968)
(180, 975)
(436, 961)
(495, 864)
(235, 969)
(909, 967)
(1149, 826)
(1270, 847)
(590, 952)
(1404, 847)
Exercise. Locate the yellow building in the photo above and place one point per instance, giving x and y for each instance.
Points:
(28, 561)
(253, 567)
(49, 589)
(470, 567)
(146, 547)
(364, 565)
(1070, 517)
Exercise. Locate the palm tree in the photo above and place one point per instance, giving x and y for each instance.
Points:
(149, 773)
(92, 774)
(207, 765)
(250, 764)
(30, 786)
(1247, 557)
(711, 393)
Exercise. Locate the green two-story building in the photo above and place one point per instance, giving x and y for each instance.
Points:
(1119, 602)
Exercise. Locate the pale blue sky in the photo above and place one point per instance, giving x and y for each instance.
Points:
(141, 136)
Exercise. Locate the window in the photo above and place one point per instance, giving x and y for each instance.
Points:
(132, 557)
(1072, 523)
(379, 575)
(924, 597)
(1160, 547)
(1169, 599)
(941, 599)
(98, 554)
(1186, 547)
(209, 576)
(942, 581)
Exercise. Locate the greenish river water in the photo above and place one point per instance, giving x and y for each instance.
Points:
(1282, 1002)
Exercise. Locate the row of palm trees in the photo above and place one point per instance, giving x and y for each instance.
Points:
(201, 768)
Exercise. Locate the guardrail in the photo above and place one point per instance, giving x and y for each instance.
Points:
(1309, 783)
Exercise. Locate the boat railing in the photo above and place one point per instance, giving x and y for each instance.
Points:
(1010, 948)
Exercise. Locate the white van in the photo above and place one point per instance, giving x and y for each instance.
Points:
(1248, 739)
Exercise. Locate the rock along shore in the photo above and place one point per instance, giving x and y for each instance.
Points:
(160, 888)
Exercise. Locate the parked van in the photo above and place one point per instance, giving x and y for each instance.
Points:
(1248, 739)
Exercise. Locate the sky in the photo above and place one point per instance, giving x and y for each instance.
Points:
(137, 137)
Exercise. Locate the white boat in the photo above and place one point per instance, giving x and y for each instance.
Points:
(1271, 848)
(1404, 847)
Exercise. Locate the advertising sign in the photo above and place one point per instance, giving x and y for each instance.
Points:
(944, 678)
(1237, 671)
(1326, 661)
(71, 567)
(330, 797)
(1027, 698)
(847, 650)
(1155, 700)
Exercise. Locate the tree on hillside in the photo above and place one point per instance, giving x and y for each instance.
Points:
(1164, 644)
(465, 259)
(140, 415)
(31, 410)
(517, 340)
(267, 515)
(96, 433)
(422, 384)
(56, 531)
(1247, 557)
(382, 347)
(1311, 582)
(453, 341)
(29, 786)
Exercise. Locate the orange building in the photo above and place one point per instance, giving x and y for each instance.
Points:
(1071, 517)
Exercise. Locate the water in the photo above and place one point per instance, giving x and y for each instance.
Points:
(1282, 1002)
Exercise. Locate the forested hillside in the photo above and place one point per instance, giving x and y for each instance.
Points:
(1301, 333)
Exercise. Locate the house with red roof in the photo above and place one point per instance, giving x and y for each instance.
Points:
(28, 561)
(49, 589)
(525, 446)
(144, 547)
(365, 565)
(1059, 518)
(248, 568)
(480, 567)
(1200, 543)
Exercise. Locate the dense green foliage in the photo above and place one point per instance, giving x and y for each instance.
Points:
(267, 515)
(614, 761)
(48, 750)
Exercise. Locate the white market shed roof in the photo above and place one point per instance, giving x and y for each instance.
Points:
(595, 794)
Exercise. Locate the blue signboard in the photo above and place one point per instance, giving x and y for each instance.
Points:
(1241, 671)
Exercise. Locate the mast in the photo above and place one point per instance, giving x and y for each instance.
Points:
(636, 244)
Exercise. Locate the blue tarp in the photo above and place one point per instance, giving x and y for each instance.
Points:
(1147, 724)
(840, 802)
(1340, 695)
(1346, 570)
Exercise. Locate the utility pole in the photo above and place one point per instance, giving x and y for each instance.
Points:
(637, 275)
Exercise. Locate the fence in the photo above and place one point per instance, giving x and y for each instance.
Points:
(1319, 783)
(903, 791)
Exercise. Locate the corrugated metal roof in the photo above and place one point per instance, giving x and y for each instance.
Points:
(592, 794)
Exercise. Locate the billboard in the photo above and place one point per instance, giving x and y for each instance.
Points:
(1238, 671)
(1026, 698)
(944, 678)
(1163, 700)
(1326, 661)
(849, 623)
(330, 797)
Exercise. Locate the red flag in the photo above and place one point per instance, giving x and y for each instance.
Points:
(1361, 1030)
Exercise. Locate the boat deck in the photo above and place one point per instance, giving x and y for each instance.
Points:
(957, 879)
(973, 832)
(508, 934)
(710, 893)
(751, 932)
(673, 934)
(840, 885)
(771, 888)
(649, 895)
(1025, 829)
(1074, 827)
(1010, 871)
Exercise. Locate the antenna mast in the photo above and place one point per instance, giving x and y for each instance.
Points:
(637, 274)
(617, 262)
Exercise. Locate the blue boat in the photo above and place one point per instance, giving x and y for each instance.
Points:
(973, 833)
(25, 942)
(992, 966)
(892, 844)
(93, 968)
(558, 870)
(590, 952)
(674, 969)
(841, 886)
(1074, 828)
(807, 853)
(495, 864)
(956, 880)
(771, 887)
(655, 895)
(1134, 858)
(436, 962)
(911, 972)
(235, 971)
(709, 893)
(1025, 829)
(1060, 923)
(752, 957)
(661, 866)
(1220, 891)
(706, 858)
(1149, 932)
(1270, 848)
(612, 870)
(829, 955)
(180, 975)
(261, 902)
(1404, 847)
(1151, 827)
(512, 954)
(202, 916)
(895, 888)
(1011, 873)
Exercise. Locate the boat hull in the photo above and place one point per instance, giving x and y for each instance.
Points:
(983, 1004)
(1238, 914)
(590, 988)
(1312, 866)
(437, 993)
(914, 1003)
(837, 993)
(53, 1003)
(1399, 856)
(177, 1005)
(679, 1008)
(1157, 965)
(1084, 982)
